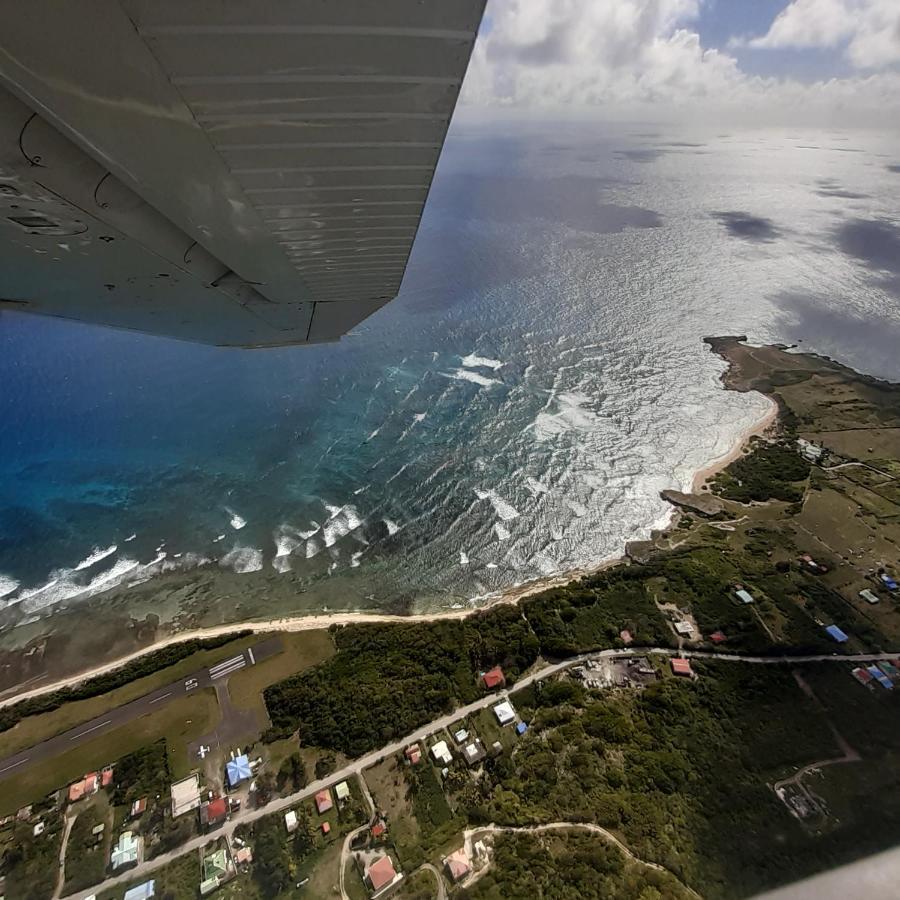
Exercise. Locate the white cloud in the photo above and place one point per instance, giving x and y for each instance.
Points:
(644, 57)
(869, 30)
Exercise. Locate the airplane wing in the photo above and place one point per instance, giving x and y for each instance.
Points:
(221, 171)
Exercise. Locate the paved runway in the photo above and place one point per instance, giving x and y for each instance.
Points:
(121, 715)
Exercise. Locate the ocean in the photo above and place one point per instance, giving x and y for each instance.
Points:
(512, 415)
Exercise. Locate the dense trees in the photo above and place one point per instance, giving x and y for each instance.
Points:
(771, 471)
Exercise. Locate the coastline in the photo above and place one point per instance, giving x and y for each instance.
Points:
(511, 595)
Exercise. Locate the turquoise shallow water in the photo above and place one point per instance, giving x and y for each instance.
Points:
(513, 414)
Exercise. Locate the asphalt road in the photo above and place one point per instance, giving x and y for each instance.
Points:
(128, 712)
(355, 768)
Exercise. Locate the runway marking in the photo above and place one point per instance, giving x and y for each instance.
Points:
(13, 765)
(224, 665)
(163, 697)
(89, 730)
(234, 667)
(252, 657)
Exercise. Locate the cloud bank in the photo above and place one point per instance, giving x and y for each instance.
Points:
(645, 58)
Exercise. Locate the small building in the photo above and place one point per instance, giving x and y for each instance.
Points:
(238, 770)
(836, 634)
(38, 829)
(342, 791)
(323, 801)
(863, 676)
(185, 795)
(290, 821)
(326, 827)
(493, 678)
(461, 736)
(380, 873)
(809, 451)
(889, 669)
(214, 813)
(474, 752)
(743, 595)
(505, 713)
(126, 851)
(137, 808)
(441, 753)
(869, 596)
(378, 830)
(685, 629)
(881, 678)
(144, 891)
(626, 636)
(243, 856)
(106, 777)
(718, 637)
(682, 667)
(458, 865)
(521, 728)
(216, 870)
(88, 785)
(413, 754)
(496, 748)
(98, 829)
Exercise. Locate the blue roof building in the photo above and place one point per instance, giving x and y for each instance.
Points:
(521, 728)
(238, 769)
(836, 633)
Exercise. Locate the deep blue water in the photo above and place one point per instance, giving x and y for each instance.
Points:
(513, 414)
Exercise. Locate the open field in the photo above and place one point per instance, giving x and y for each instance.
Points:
(300, 650)
(179, 722)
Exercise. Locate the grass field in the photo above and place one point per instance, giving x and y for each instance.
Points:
(180, 722)
(179, 880)
(34, 729)
(301, 650)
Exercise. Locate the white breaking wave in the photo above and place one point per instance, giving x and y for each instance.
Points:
(501, 532)
(312, 548)
(472, 360)
(287, 540)
(491, 565)
(130, 537)
(463, 558)
(569, 416)
(220, 537)
(281, 564)
(344, 519)
(392, 526)
(474, 377)
(95, 556)
(505, 510)
(536, 487)
(354, 558)
(242, 560)
(237, 522)
(7, 585)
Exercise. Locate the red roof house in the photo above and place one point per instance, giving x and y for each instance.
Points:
(626, 635)
(378, 829)
(326, 827)
(493, 678)
(718, 637)
(106, 777)
(381, 873)
(214, 813)
(413, 753)
(323, 801)
(682, 667)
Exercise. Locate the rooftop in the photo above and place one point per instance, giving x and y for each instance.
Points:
(238, 769)
(493, 678)
(323, 801)
(381, 873)
(504, 712)
(682, 667)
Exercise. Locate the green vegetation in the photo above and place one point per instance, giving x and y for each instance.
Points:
(86, 853)
(568, 867)
(102, 684)
(386, 680)
(770, 471)
(143, 773)
(176, 881)
(31, 863)
(682, 770)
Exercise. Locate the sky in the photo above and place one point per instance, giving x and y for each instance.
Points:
(764, 62)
